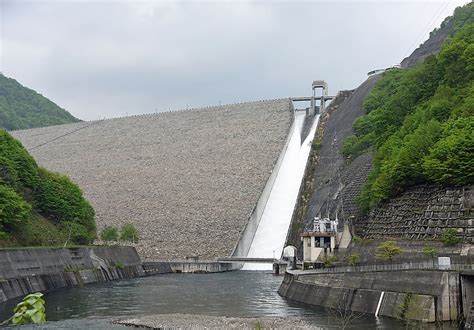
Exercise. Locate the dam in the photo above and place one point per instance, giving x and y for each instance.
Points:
(185, 176)
(180, 177)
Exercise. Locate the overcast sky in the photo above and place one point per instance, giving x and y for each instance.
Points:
(112, 58)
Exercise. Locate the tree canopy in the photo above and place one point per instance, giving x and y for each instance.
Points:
(21, 108)
(420, 121)
(38, 207)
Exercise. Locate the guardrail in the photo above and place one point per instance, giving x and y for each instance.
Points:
(428, 265)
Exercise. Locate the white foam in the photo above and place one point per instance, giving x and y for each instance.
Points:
(275, 222)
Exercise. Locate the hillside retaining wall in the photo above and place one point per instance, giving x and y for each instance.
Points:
(422, 212)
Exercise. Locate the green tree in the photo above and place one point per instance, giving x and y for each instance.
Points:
(109, 234)
(420, 121)
(129, 233)
(21, 107)
(17, 161)
(38, 207)
(450, 237)
(353, 259)
(62, 201)
(14, 211)
(430, 251)
(388, 250)
(328, 261)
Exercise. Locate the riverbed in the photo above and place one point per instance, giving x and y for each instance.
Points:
(233, 294)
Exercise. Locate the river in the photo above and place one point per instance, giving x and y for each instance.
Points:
(239, 294)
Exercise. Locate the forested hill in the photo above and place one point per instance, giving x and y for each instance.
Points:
(21, 107)
(38, 207)
(420, 120)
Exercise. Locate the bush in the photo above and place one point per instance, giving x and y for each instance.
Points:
(38, 231)
(430, 251)
(30, 310)
(327, 261)
(109, 234)
(14, 211)
(129, 233)
(38, 207)
(388, 250)
(16, 158)
(353, 259)
(356, 239)
(62, 201)
(8, 173)
(77, 234)
(450, 237)
(119, 265)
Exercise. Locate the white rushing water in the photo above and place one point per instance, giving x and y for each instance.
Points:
(275, 222)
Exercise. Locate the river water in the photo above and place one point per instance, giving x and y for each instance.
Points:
(238, 294)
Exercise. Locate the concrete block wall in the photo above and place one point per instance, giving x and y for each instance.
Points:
(423, 212)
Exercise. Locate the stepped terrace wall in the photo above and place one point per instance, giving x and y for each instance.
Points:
(422, 212)
(188, 180)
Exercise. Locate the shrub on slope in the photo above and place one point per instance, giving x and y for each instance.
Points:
(34, 201)
(420, 121)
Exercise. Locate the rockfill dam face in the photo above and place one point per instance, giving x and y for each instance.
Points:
(188, 180)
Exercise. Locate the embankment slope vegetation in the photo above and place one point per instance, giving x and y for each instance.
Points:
(38, 207)
(21, 108)
(420, 121)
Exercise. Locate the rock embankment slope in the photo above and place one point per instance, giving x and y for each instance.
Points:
(188, 180)
(325, 198)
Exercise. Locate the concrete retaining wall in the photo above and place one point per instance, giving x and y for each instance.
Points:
(25, 271)
(421, 295)
(422, 212)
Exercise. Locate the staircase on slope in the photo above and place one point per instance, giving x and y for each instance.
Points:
(470, 317)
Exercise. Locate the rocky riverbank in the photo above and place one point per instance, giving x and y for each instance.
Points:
(190, 321)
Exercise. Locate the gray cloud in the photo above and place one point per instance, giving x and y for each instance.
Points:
(111, 58)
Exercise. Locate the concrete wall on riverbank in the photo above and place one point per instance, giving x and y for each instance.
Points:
(24, 271)
(414, 294)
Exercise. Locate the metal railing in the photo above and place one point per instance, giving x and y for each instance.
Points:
(426, 265)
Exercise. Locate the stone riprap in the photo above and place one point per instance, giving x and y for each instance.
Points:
(188, 180)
